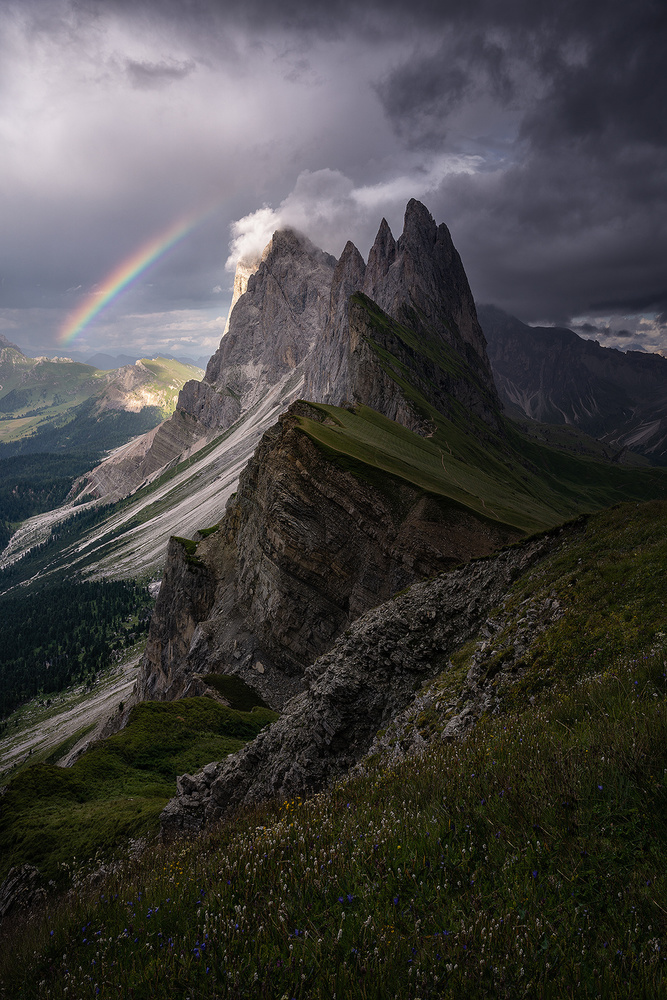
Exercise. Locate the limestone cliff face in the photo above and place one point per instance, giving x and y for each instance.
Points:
(327, 377)
(304, 549)
(272, 329)
(281, 306)
(244, 269)
(186, 594)
(307, 547)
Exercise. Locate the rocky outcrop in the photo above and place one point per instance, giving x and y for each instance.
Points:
(139, 461)
(21, 890)
(280, 307)
(186, 596)
(369, 675)
(553, 376)
(304, 549)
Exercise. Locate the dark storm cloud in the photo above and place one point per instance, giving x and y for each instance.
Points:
(591, 330)
(146, 75)
(584, 90)
(535, 130)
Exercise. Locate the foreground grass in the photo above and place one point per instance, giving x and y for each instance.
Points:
(527, 861)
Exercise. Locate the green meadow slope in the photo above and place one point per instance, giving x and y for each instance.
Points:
(517, 482)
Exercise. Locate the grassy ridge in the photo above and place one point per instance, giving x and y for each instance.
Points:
(539, 491)
(526, 861)
(505, 477)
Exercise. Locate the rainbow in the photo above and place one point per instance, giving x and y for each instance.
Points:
(125, 273)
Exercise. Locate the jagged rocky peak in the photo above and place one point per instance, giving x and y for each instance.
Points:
(284, 307)
(272, 329)
(382, 255)
(306, 547)
(348, 278)
(245, 267)
(419, 283)
(7, 343)
(422, 272)
(327, 371)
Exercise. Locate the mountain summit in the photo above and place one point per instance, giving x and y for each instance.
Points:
(296, 320)
(305, 546)
(418, 281)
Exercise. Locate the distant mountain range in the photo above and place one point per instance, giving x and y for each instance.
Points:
(56, 405)
(551, 375)
(103, 360)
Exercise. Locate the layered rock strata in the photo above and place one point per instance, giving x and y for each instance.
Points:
(280, 308)
(370, 674)
(305, 548)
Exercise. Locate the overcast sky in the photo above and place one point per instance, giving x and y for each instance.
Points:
(536, 130)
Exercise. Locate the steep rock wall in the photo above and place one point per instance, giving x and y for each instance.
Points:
(369, 675)
(304, 549)
(554, 376)
(271, 331)
(186, 594)
(419, 282)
